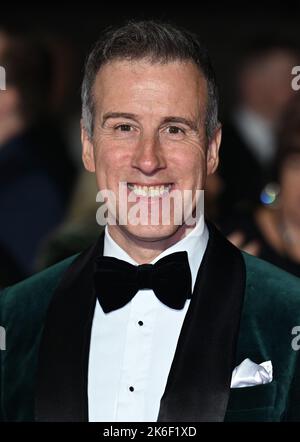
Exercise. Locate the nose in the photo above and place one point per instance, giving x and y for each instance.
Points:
(149, 157)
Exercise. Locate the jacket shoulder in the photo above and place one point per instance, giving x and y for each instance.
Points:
(271, 289)
(33, 293)
(264, 274)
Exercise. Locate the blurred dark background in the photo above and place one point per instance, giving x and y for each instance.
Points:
(225, 27)
(55, 38)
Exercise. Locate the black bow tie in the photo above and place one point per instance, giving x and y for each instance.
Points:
(117, 281)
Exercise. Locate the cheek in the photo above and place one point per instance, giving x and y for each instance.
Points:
(192, 166)
(111, 160)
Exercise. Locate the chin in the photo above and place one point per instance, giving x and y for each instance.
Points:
(151, 233)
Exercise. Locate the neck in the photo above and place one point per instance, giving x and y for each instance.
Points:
(291, 224)
(144, 250)
(270, 116)
(290, 235)
(10, 127)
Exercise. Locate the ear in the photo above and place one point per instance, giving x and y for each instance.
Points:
(87, 150)
(213, 151)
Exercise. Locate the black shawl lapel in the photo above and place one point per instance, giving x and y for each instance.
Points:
(61, 391)
(198, 385)
(199, 378)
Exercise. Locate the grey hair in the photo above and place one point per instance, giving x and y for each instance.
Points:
(157, 42)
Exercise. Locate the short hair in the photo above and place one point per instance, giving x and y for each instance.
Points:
(157, 42)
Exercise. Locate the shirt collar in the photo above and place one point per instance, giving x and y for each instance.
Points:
(194, 243)
(257, 131)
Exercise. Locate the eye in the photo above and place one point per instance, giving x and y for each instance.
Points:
(175, 130)
(124, 127)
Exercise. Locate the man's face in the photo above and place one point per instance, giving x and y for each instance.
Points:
(290, 187)
(266, 83)
(149, 132)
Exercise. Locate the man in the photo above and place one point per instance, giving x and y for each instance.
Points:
(34, 185)
(249, 136)
(156, 321)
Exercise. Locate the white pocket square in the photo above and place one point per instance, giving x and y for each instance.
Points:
(248, 374)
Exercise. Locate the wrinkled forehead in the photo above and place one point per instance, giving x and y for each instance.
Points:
(142, 83)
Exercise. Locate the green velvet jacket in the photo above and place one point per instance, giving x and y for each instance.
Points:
(269, 310)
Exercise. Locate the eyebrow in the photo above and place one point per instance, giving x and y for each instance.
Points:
(118, 115)
(170, 119)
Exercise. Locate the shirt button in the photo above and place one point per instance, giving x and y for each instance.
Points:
(140, 323)
(131, 388)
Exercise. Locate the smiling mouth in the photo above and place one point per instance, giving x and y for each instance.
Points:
(150, 191)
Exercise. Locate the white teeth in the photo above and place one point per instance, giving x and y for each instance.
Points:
(149, 191)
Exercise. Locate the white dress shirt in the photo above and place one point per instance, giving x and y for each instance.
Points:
(258, 133)
(132, 348)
